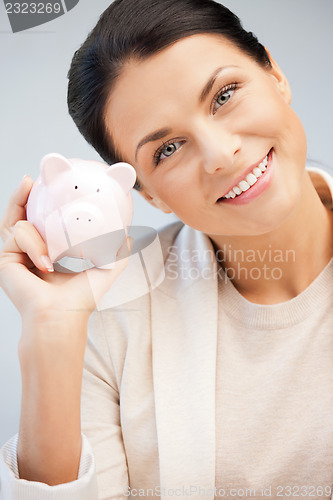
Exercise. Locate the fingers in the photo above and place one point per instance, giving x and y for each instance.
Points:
(16, 207)
(25, 239)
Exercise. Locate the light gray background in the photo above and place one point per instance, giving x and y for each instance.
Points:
(34, 119)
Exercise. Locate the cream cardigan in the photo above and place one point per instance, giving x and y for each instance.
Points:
(148, 395)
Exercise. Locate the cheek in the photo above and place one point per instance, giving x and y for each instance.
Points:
(173, 184)
(271, 117)
(263, 111)
(182, 193)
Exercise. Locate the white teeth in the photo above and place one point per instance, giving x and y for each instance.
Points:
(244, 186)
(257, 172)
(263, 164)
(251, 179)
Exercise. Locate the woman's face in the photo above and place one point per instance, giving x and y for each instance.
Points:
(194, 120)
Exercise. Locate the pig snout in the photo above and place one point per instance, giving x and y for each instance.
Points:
(84, 221)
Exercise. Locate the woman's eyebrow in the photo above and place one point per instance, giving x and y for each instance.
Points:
(159, 134)
(154, 136)
(208, 87)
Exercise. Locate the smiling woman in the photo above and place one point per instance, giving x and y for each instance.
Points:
(222, 376)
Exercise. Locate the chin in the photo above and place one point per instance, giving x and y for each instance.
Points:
(275, 215)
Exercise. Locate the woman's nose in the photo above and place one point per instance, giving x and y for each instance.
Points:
(218, 148)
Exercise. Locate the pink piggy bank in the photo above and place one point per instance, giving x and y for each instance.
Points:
(82, 209)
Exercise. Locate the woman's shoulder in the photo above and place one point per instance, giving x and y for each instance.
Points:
(322, 180)
(168, 234)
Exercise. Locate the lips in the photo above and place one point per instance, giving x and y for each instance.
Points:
(242, 177)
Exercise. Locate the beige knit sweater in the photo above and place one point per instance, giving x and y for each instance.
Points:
(274, 394)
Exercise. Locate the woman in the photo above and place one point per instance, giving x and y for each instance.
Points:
(218, 382)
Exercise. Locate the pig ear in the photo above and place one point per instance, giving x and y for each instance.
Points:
(52, 165)
(123, 173)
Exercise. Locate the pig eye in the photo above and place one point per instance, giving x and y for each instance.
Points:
(75, 187)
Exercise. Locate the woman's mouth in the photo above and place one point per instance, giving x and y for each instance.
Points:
(253, 184)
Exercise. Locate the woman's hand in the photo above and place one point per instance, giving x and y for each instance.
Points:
(26, 272)
(55, 308)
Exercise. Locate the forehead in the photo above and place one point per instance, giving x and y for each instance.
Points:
(149, 93)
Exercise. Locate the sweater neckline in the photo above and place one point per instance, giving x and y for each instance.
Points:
(274, 316)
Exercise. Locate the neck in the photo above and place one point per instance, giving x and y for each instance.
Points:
(277, 266)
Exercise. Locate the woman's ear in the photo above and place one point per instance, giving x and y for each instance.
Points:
(280, 78)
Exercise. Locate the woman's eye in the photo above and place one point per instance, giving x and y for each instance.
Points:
(166, 151)
(223, 97)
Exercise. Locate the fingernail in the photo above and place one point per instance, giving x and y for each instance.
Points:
(23, 179)
(47, 263)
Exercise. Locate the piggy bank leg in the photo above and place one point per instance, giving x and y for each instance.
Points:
(107, 266)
